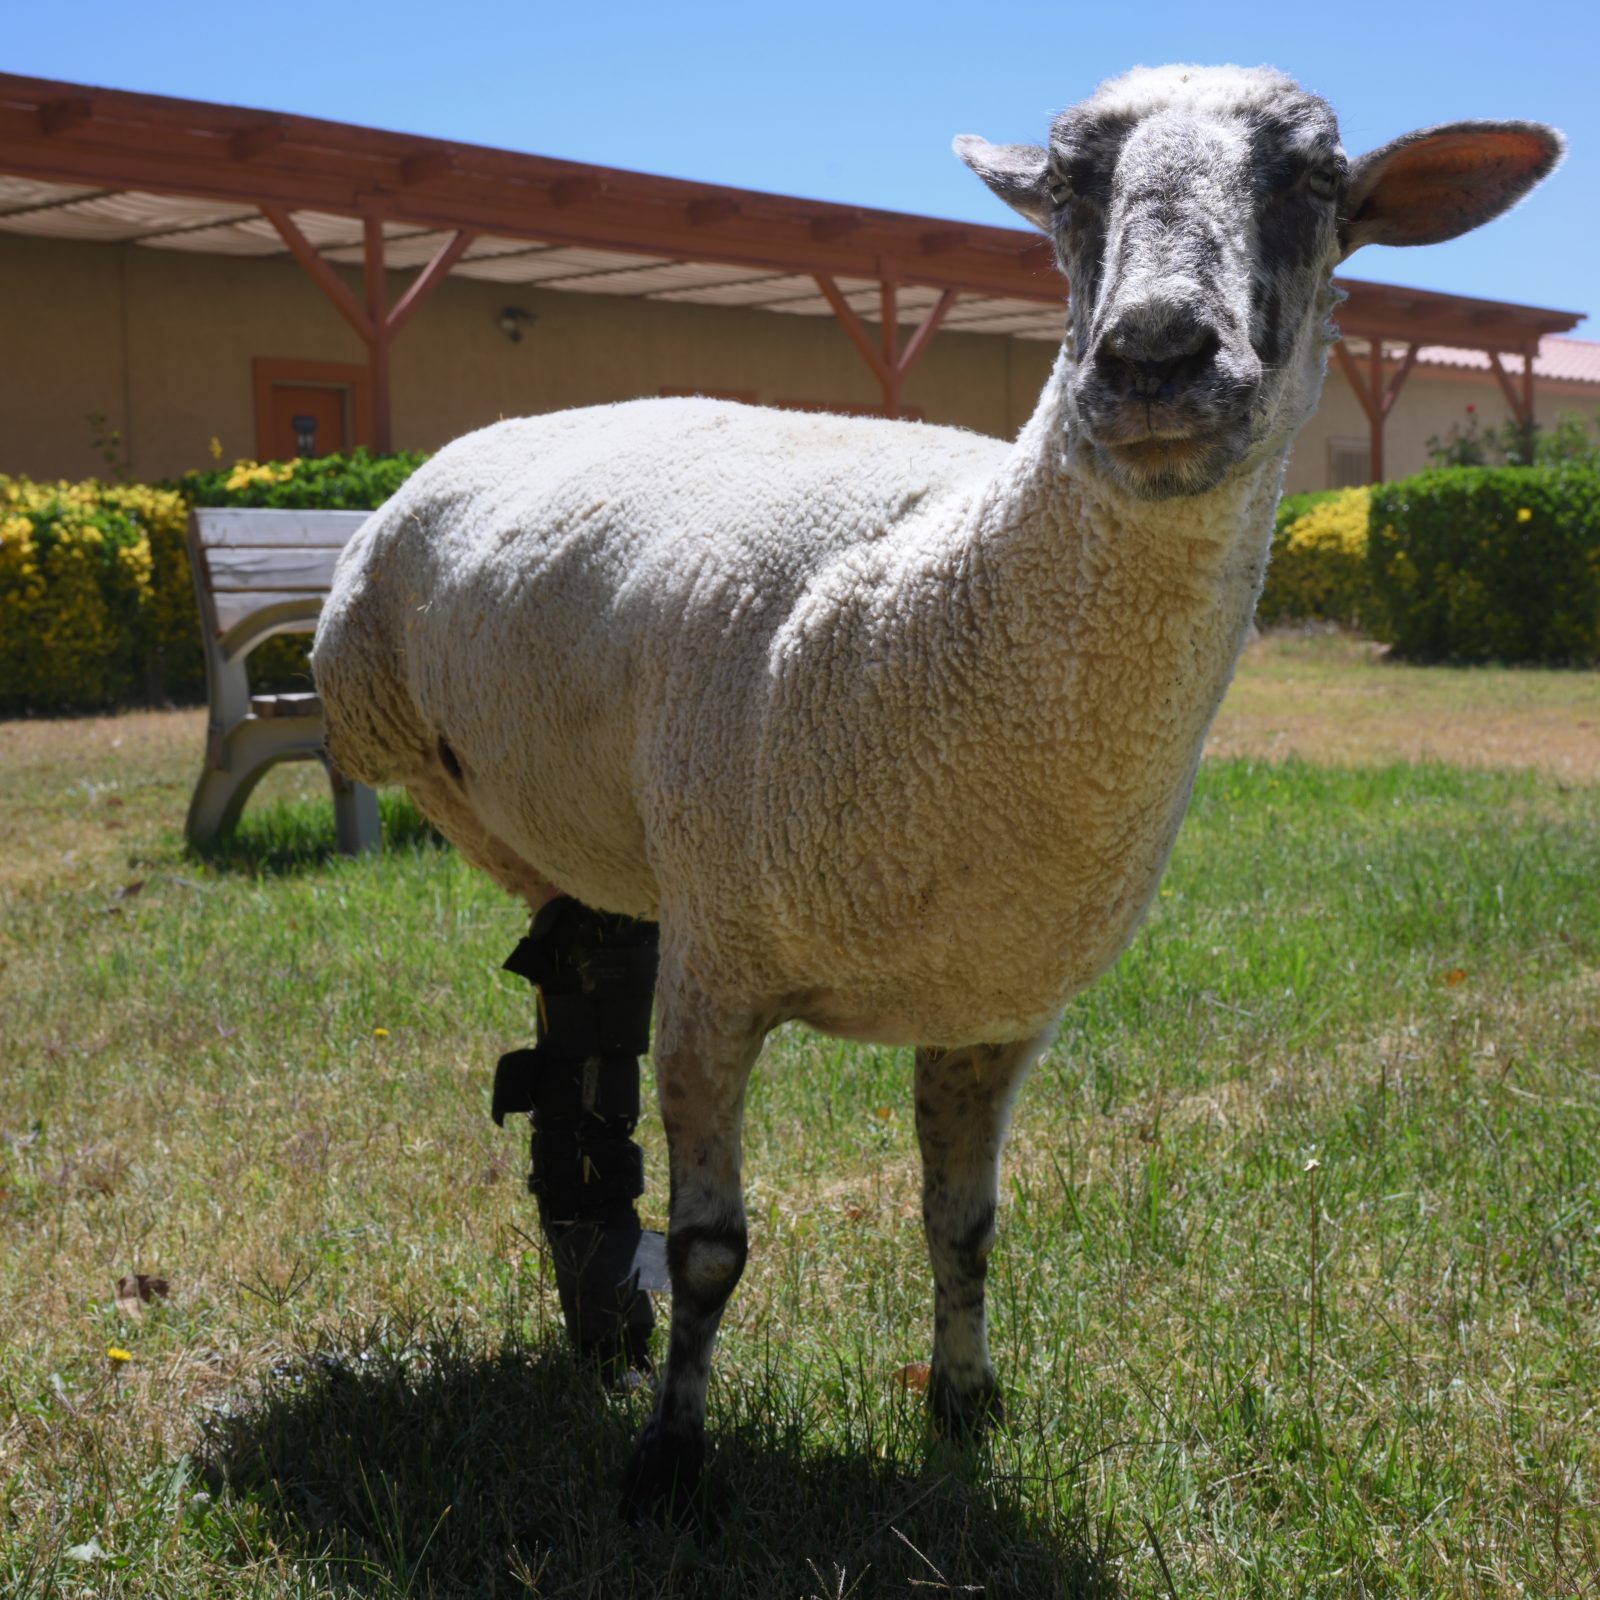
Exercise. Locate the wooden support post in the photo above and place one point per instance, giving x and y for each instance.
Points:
(377, 288)
(1398, 381)
(889, 368)
(1528, 355)
(376, 324)
(1375, 412)
(889, 335)
(1374, 402)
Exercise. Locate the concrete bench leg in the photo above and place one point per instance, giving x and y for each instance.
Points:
(247, 751)
(355, 814)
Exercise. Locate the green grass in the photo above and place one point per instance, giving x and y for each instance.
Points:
(1228, 1375)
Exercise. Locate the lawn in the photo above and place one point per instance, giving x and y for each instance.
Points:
(1298, 1288)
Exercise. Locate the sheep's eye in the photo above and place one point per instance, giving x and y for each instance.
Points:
(1323, 182)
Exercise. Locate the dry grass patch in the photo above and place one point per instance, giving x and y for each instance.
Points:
(1331, 697)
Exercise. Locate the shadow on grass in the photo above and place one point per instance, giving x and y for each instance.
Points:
(297, 836)
(440, 1467)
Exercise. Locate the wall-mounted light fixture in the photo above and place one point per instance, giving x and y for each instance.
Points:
(513, 320)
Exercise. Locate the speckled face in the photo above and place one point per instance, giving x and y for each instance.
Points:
(1194, 213)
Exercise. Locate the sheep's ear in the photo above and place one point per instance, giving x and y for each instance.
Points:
(1016, 172)
(1433, 185)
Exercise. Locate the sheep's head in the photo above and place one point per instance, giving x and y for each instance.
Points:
(1198, 213)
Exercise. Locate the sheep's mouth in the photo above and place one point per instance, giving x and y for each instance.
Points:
(1159, 466)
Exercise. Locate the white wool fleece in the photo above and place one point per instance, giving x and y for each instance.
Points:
(891, 726)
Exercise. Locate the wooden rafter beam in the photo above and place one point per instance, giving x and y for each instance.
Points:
(1353, 376)
(707, 213)
(61, 116)
(920, 340)
(349, 171)
(329, 281)
(889, 367)
(422, 168)
(249, 143)
(856, 329)
(192, 148)
(1523, 414)
(567, 192)
(1398, 381)
(429, 279)
(826, 230)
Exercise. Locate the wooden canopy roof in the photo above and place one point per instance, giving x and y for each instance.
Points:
(182, 174)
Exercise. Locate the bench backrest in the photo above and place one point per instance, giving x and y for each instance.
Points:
(263, 572)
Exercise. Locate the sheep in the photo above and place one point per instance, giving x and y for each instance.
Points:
(891, 727)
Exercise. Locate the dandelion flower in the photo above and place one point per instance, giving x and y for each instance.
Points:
(380, 1033)
(118, 1355)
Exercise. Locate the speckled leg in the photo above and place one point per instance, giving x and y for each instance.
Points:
(703, 1061)
(964, 1100)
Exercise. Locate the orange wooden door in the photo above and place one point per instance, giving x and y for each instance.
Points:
(304, 411)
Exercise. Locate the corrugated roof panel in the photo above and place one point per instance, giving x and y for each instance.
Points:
(401, 249)
(494, 244)
(667, 280)
(128, 214)
(22, 194)
(980, 308)
(540, 266)
(322, 230)
(757, 291)
(230, 239)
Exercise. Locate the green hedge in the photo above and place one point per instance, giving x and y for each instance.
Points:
(97, 604)
(354, 482)
(1489, 563)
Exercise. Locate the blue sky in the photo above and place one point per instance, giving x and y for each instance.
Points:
(858, 102)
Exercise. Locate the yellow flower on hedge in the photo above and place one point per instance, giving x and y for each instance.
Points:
(1524, 514)
(216, 448)
(1318, 566)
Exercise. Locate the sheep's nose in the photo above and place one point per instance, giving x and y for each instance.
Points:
(1149, 352)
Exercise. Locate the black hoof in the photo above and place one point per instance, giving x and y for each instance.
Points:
(662, 1478)
(965, 1414)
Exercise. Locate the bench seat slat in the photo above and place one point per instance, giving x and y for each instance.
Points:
(232, 609)
(229, 527)
(270, 568)
(286, 705)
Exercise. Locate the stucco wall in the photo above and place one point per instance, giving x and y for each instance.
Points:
(1433, 400)
(162, 342)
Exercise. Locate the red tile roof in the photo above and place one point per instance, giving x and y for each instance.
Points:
(1567, 360)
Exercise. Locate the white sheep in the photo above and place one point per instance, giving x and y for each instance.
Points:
(891, 727)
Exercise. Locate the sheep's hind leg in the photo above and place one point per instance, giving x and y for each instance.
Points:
(703, 1061)
(964, 1100)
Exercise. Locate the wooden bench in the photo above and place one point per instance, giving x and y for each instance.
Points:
(257, 573)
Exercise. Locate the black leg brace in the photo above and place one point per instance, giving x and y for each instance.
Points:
(596, 976)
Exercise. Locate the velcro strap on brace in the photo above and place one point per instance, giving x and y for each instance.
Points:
(556, 1088)
(578, 1172)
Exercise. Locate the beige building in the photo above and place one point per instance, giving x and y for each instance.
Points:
(178, 273)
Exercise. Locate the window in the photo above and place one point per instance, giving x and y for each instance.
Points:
(1349, 463)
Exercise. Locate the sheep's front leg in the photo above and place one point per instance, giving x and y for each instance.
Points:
(703, 1060)
(964, 1100)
